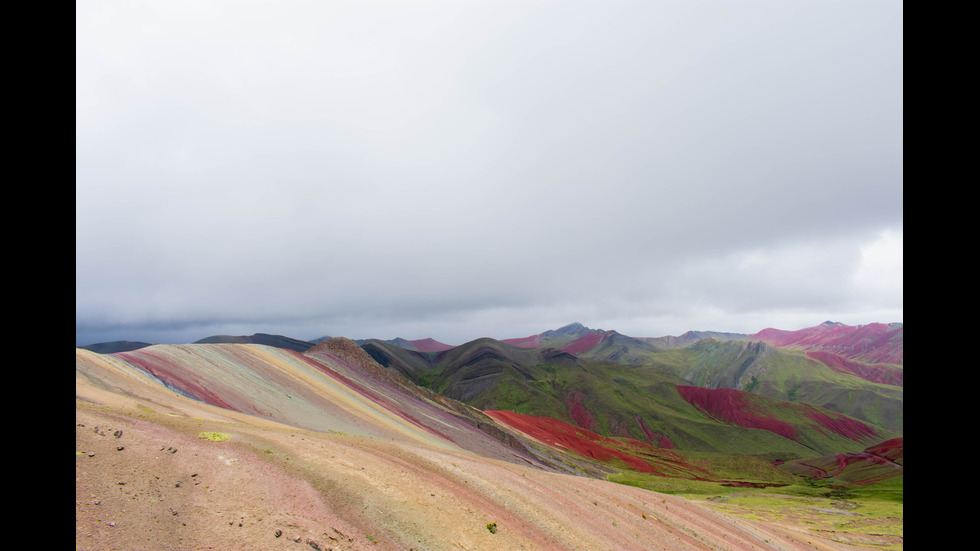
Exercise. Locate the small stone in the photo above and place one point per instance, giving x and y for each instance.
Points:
(117, 434)
(278, 533)
(120, 448)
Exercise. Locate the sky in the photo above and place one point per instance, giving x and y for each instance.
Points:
(463, 169)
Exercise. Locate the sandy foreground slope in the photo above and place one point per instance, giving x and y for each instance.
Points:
(145, 479)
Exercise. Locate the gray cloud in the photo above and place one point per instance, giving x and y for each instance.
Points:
(467, 169)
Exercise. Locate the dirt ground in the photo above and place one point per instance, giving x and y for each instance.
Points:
(150, 482)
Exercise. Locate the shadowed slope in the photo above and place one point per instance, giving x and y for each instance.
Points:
(115, 346)
(276, 341)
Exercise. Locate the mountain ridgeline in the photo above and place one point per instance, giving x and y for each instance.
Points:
(803, 397)
(776, 394)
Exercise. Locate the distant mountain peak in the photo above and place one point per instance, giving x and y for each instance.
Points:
(573, 327)
(430, 345)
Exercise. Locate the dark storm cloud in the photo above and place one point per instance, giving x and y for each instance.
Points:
(457, 170)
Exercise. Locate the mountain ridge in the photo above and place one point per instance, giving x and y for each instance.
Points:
(257, 444)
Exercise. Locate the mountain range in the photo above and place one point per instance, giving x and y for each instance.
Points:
(814, 415)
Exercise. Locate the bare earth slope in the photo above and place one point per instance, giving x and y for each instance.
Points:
(274, 475)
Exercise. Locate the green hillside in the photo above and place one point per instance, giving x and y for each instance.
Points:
(642, 402)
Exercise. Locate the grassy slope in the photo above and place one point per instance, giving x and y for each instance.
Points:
(612, 399)
(783, 375)
(642, 402)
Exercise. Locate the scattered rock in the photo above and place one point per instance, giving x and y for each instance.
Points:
(117, 434)
(278, 533)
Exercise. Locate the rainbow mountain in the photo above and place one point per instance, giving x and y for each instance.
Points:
(347, 446)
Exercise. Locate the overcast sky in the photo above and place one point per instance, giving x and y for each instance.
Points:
(458, 169)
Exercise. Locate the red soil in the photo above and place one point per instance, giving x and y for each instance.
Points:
(893, 449)
(563, 435)
(658, 440)
(732, 406)
(534, 341)
(582, 416)
(874, 464)
(873, 343)
(876, 373)
(585, 343)
(844, 426)
(173, 376)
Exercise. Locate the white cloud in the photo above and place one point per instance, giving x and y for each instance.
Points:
(880, 276)
(357, 163)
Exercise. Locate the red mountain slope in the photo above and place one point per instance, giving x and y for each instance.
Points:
(586, 342)
(430, 345)
(874, 464)
(747, 410)
(872, 343)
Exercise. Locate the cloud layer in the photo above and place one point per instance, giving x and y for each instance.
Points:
(466, 169)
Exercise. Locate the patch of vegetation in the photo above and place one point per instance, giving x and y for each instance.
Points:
(792, 393)
(492, 526)
(426, 378)
(214, 436)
